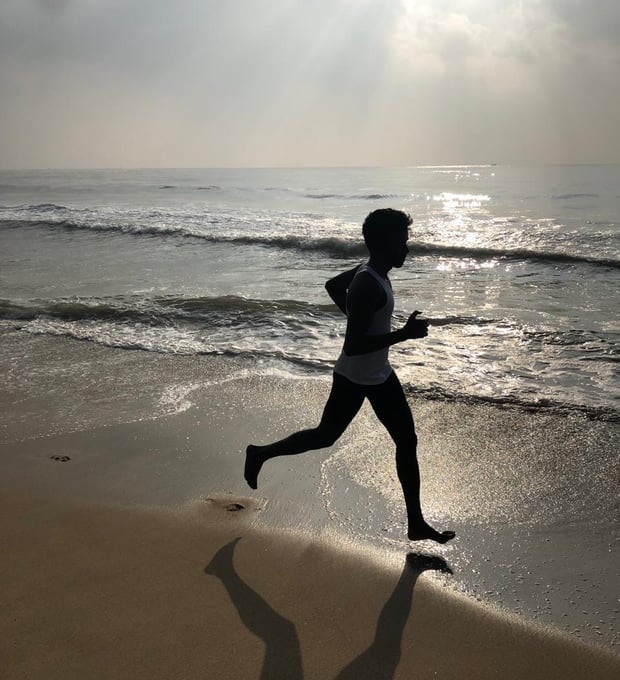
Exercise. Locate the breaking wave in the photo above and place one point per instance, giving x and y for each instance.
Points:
(334, 246)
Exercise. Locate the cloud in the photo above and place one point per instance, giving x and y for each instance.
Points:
(204, 82)
(425, 32)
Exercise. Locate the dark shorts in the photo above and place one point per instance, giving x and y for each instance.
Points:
(387, 399)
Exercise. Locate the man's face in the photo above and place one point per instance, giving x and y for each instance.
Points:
(398, 248)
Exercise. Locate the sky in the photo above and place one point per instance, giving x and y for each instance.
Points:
(260, 83)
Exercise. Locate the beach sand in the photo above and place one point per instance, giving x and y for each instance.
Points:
(100, 592)
(122, 483)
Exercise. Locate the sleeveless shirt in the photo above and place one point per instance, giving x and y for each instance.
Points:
(371, 368)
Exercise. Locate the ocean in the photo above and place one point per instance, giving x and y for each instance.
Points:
(516, 269)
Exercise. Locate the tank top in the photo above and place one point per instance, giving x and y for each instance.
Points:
(372, 368)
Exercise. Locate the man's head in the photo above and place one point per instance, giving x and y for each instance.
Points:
(385, 233)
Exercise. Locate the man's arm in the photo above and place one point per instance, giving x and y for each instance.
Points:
(337, 287)
(365, 298)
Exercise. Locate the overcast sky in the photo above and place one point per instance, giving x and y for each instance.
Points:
(197, 83)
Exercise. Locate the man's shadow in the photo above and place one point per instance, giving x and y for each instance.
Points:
(282, 648)
(381, 659)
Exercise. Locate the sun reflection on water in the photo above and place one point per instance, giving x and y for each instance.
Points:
(452, 264)
(452, 201)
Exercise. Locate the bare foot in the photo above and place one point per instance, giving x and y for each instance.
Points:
(425, 532)
(253, 464)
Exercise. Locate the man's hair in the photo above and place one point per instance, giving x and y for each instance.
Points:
(380, 223)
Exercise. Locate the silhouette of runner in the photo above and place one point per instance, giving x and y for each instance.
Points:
(363, 371)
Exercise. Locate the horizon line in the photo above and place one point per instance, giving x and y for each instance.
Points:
(421, 166)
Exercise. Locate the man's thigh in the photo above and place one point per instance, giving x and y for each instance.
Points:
(390, 404)
(344, 402)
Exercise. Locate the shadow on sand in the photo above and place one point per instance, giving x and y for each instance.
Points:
(380, 660)
(282, 649)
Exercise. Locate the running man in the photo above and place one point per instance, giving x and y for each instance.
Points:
(363, 371)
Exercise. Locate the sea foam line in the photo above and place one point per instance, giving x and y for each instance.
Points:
(129, 319)
(297, 363)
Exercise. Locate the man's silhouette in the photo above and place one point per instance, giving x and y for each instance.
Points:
(363, 371)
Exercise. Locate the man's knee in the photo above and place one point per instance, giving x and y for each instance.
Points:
(327, 437)
(407, 446)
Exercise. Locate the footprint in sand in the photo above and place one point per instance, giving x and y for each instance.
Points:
(228, 504)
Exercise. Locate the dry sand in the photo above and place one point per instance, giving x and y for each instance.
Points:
(94, 591)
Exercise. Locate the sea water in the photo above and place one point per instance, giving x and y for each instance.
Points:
(516, 269)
